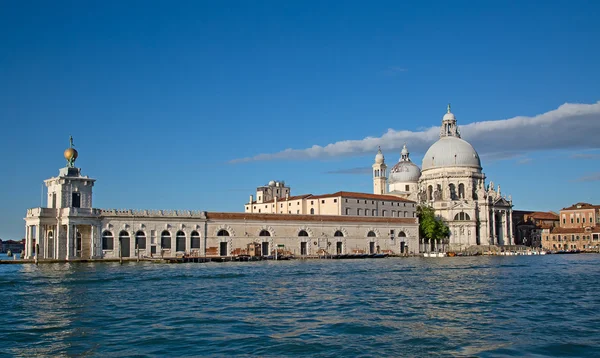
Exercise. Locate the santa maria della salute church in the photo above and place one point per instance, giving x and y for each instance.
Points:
(452, 182)
(273, 222)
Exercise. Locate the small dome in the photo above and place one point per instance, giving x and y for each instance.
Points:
(379, 157)
(451, 152)
(404, 172)
(449, 117)
(272, 183)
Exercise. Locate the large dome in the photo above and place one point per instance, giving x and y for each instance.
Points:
(451, 151)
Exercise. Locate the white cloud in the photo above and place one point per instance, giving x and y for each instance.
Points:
(570, 126)
(588, 178)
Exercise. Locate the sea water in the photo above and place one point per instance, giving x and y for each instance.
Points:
(462, 306)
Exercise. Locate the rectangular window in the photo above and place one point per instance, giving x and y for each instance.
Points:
(571, 220)
(372, 202)
(76, 203)
(322, 201)
(407, 188)
(383, 203)
(311, 202)
(583, 220)
(153, 236)
(346, 200)
(335, 200)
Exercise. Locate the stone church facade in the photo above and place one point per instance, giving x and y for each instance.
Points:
(452, 182)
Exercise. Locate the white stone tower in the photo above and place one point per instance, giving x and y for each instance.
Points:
(69, 189)
(379, 174)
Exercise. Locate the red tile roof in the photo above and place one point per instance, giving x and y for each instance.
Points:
(314, 218)
(542, 215)
(580, 206)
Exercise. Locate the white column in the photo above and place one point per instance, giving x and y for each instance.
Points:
(38, 239)
(69, 241)
(188, 241)
(56, 240)
(494, 226)
(92, 240)
(98, 245)
(504, 240)
(510, 233)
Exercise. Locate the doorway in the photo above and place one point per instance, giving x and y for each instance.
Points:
(223, 249)
(303, 249)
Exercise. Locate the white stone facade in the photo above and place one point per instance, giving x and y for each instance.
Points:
(453, 184)
(69, 228)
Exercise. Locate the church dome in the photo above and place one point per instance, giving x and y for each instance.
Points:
(451, 152)
(405, 171)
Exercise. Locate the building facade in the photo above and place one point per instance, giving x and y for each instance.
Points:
(452, 182)
(70, 228)
(579, 229)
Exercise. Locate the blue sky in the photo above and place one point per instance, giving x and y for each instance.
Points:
(190, 105)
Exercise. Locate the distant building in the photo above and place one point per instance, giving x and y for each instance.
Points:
(529, 226)
(579, 229)
(343, 203)
(12, 245)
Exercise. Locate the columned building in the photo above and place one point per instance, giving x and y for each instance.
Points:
(452, 182)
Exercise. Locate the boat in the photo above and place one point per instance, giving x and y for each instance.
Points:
(451, 254)
(9, 253)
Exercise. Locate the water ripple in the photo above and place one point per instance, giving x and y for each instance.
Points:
(479, 306)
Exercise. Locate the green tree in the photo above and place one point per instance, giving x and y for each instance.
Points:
(431, 227)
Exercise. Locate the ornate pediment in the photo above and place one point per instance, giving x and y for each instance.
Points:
(502, 202)
(461, 205)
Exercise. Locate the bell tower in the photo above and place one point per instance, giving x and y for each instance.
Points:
(69, 189)
(379, 174)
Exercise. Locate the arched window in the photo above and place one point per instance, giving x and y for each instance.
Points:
(140, 240)
(264, 233)
(312, 211)
(50, 235)
(165, 240)
(108, 241)
(430, 192)
(462, 216)
(180, 241)
(223, 232)
(461, 191)
(358, 211)
(195, 240)
(371, 234)
(338, 233)
(401, 234)
(302, 233)
(383, 213)
(347, 211)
